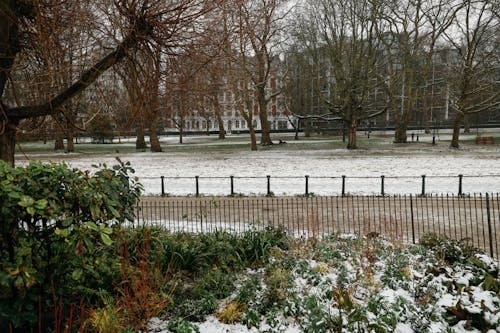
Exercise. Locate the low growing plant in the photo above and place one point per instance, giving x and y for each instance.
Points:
(447, 249)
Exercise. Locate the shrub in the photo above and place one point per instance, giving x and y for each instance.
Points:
(56, 229)
(448, 249)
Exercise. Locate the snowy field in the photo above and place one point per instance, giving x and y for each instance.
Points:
(289, 164)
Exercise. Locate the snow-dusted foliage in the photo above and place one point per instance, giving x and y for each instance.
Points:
(346, 284)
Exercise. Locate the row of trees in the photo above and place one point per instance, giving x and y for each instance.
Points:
(356, 59)
(64, 64)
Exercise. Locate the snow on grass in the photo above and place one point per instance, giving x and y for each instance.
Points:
(346, 284)
(402, 167)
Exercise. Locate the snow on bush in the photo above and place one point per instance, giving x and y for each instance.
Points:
(346, 284)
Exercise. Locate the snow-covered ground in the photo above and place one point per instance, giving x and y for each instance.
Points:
(342, 284)
(288, 166)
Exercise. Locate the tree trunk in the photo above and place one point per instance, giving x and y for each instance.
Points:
(220, 122)
(69, 131)
(466, 123)
(181, 132)
(70, 144)
(59, 139)
(265, 138)
(16, 114)
(456, 129)
(400, 135)
(351, 138)
(153, 137)
(8, 143)
(140, 142)
(426, 122)
(253, 138)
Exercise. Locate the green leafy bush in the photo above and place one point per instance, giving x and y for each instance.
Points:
(56, 230)
(448, 249)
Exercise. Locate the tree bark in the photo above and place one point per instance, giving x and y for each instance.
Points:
(140, 142)
(466, 123)
(352, 138)
(181, 131)
(70, 140)
(425, 120)
(456, 129)
(253, 138)
(8, 142)
(16, 114)
(59, 138)
(400, 135)
(265, 138)
(220, 122)
(154, 141)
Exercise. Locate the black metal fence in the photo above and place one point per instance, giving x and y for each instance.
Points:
(475, 219)
(335, 185)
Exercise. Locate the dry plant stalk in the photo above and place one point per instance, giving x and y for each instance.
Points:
(142, 287)
(313, 225)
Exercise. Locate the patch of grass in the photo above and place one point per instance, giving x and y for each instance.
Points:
(232, 312)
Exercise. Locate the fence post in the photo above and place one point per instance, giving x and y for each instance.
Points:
(382, 181)
(307, 185)
(412, 220)
(197, 185)
(343, 185)
(268, 185)
(162, 186)
(423, 185)
(488, 214)
(232, 184)
(460, 177)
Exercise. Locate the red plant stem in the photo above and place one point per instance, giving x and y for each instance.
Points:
(40, 314)
(82, 311)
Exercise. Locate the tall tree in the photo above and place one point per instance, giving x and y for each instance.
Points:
(474, 87)
(259, 26)
(141, 75)
(341, 41)
(140, 23)
(409, 31)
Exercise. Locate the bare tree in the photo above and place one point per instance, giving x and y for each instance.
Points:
(409, 31)
(141, 75)
(258, 28)
(474, 88)
(341, 37)
(140, 23)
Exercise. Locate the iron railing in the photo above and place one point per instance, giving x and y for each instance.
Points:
(323, 185)
(474, 219)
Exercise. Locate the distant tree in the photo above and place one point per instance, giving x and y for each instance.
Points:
(474, 81)
(101, 129)
(341, 45)
(408, 31)
(141, 75)
(234, 47)
(258, 26)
